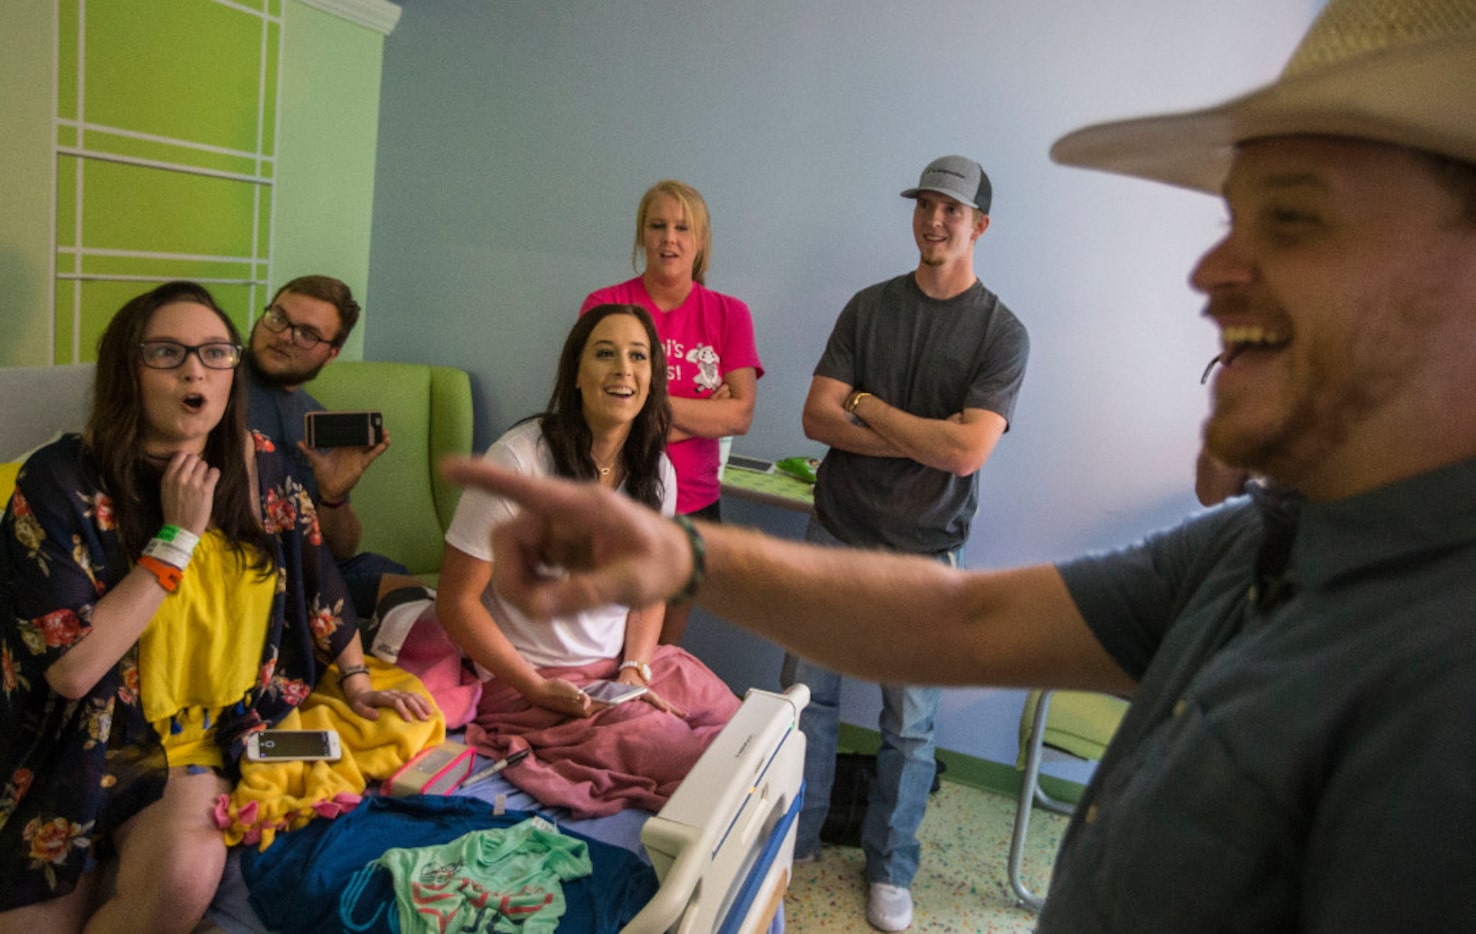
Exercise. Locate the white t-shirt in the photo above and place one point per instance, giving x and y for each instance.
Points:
(577, 639)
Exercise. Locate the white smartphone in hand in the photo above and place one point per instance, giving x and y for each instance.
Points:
(613, 692)
(283, 745)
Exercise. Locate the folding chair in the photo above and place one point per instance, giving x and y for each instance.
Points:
(1079, 723)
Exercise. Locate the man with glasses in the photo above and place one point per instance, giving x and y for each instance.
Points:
(301, 332)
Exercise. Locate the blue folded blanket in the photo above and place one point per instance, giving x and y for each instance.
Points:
(314, 878)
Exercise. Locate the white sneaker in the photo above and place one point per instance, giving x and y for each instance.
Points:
(889, 908)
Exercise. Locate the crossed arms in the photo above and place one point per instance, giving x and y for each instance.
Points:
(960, 444)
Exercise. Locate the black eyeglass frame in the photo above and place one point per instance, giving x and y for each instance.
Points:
(143, 353)
(302, 335)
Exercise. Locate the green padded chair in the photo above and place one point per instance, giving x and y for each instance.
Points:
(402, 501)
(1079, 723)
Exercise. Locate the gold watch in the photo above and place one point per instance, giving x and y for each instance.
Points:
(641, 668)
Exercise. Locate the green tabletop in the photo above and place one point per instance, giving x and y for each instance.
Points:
(776, 489)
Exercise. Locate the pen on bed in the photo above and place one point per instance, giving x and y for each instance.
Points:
(495, 767)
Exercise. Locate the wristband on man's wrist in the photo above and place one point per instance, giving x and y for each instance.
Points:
(853, 400)
(699, 561)
(333, 503)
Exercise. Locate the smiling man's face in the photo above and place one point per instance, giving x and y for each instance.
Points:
(1345, 301)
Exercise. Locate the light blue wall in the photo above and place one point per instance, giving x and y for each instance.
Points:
(516, 138)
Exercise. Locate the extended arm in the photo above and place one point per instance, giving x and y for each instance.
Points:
(729, 411)
(960, 444)
(882, 617)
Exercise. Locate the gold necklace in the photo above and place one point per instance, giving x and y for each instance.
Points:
(603, 469)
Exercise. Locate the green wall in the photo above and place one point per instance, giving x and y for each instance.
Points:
(27, 56)
(330, 129)
(205, 181)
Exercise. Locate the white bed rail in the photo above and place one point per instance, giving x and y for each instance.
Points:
(711, 836)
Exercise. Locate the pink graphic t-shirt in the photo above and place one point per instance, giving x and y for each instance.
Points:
(707, 336)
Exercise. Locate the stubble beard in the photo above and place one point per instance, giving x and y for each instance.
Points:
(1318, 421)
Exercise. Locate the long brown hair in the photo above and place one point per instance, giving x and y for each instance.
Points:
(114, 435)
(568, 435)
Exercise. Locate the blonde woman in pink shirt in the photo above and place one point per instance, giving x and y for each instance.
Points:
(712, 363)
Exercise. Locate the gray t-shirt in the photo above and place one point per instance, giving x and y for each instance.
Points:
(931, 359)
(1299, 764)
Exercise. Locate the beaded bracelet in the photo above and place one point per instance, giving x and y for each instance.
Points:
(699, 561)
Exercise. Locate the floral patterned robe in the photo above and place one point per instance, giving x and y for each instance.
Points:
(71, 771)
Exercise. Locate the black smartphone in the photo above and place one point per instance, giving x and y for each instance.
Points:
(757, 464)
(343, 429)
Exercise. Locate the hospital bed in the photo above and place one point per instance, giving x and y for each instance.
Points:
(722, 847)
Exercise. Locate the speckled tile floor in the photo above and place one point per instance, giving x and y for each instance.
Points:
(961, 886)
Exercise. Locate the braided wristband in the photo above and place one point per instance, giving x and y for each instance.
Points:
(699, 561)
(350, 671)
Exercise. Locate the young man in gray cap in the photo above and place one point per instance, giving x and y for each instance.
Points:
(916, 386)
(1298, 753)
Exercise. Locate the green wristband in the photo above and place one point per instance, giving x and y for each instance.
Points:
(699, 561)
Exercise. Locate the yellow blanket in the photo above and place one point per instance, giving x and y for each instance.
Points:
(278, 796)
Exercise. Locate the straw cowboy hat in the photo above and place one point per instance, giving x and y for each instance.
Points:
(1393, 71)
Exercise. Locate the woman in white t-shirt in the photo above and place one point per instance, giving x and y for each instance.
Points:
(606, 423)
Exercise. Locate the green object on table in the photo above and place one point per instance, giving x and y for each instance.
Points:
(802, 467)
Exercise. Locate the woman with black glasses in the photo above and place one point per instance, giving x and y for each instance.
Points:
(163, 593)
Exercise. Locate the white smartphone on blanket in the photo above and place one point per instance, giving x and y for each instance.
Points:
(613, 692)
(284, 745)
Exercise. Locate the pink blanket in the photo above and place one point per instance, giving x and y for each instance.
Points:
(629, 755)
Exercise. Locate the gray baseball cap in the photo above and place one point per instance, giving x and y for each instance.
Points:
(959, 178)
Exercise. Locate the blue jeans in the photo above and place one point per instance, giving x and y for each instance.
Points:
(904, 765)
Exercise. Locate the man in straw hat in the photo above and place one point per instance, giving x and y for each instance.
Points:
(1298, 754)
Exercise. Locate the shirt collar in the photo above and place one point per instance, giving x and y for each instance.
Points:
(1432, 512)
